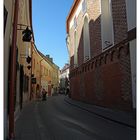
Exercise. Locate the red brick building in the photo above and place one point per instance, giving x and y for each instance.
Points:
(101, 39)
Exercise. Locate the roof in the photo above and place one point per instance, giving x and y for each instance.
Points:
(46, 59)
(65, 68)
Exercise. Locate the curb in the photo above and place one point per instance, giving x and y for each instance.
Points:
(102, 116)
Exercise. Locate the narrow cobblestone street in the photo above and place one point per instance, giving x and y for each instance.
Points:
(56, 119)
(70, 70)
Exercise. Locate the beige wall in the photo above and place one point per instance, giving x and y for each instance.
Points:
(24, 47)
(23, 18)
(44, 71)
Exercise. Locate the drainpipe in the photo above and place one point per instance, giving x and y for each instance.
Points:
(40, 74)
(13, 72)
(31, 71)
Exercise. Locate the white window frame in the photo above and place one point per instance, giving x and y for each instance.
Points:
(86, 39)
(75, 49)
(131, 14)
(84, 6)
(75, 22)
(107, 31)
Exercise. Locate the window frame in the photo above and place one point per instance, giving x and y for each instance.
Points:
(84, 6)
(75, 49)
(75, 22)
(5, 18)
(107, 41)
(86, 39)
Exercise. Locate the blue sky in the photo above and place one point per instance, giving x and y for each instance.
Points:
(49, 25)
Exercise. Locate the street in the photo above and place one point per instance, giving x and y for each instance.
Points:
(55, 119)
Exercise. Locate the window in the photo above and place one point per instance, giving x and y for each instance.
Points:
(75, 49)
(34, 63)
(84, 6)
(75, 22)
(47, 72)
(5, 18)
(27, 50)
(44, 71)
(106, 24)
(86, 40)
(131, 13)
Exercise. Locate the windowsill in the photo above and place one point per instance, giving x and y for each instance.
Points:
(86, 60)
(108, 47)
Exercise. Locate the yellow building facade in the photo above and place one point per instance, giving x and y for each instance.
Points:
(45, 73)
(17, 16)
(23, 79)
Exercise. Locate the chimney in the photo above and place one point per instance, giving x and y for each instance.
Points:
(48, 56)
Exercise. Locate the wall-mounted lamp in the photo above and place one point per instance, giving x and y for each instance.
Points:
(27, 35)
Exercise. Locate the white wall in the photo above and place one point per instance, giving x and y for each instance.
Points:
(106, 24)
(75, 48)
(131, 23)
(76, 14)
(131, 13)
(86, 40)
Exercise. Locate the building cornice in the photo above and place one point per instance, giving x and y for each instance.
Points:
(71, 13)
(47, 60)
(30, 10)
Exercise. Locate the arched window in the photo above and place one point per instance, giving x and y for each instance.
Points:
(75, 48)
(107, 24)
(86, 40)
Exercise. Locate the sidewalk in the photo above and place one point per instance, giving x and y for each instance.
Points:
(18, 110)
(120, 117)
(26, 127)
